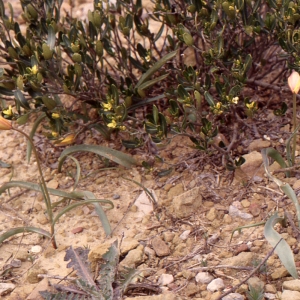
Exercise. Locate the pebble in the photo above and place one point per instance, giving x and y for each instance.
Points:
(36, 249)
(292, 285)
(204, 277)
(235, 212)
(185, 235)
(6, 288)
(77, 230)
(160, 247)
(233, 296)
(290, 295)
(216, 285)
(165, 279)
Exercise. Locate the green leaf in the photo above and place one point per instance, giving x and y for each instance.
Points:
(283, 250)
(17, 230)
(276, 156)
(114, 155)
(36, 187)
(32, 133)
(51, 37)
(160, 31)
(6, 92)
(152, 81)
(21, 99)
(4, 165)
(209, 98)
(155, 68)
(285, 187)
(85, 202)
(100, 212)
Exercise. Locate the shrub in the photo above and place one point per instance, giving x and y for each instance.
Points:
(187, 77)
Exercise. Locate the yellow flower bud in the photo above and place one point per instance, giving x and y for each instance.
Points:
(69, 139)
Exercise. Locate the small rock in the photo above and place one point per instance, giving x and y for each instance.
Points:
(241, 248)
(36, 249)
(227, 219)
(279, 273)
(168, 236)
(292, 285)
(164, 296)
(235, 212)
(6, 288)
(149, 252)
(270, 288)
(128, 244)
(53, 184)
(245, 203)
(187, 203)
(77, 230)
(290, 295)
(204, 277)
(258, 144)
(296, 185)
(185, 235)
(270, 296)
(175, 191)
(16, 263)
(233, 296)
(254, 209)
(212, 214)
(160, 247)
(116, 196)
(252, 165)
(133, 258)
(32, 275)
(42, 219)
(165, 279)
(243, 259)
(215, 285)
(256, 283)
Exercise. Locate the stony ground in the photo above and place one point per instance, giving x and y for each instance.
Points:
(182, 245)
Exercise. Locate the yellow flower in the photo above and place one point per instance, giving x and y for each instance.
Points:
(5, 124)
(69, 139)
(107, 106)
(34, 70)
(54, 134)
(8, 111)
(294, 82)
(235, 100)
(113, 124)
(55, 115)
(251, 105)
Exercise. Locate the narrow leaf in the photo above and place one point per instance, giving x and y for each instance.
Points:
(152, 81)
(32, 133)
(114, 155)
(156, 67)
(283, 250)
(17, 230)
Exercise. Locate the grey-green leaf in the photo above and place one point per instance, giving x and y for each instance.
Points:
(17, 230)
(283, 250)
(112, 154)
(155, 67)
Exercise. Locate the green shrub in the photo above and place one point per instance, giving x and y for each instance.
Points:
(190, 72)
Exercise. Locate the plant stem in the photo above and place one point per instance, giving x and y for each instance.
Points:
(44, 187)
(294, 127)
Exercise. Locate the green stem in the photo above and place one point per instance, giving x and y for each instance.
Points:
(294, 127)
(47, 197)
